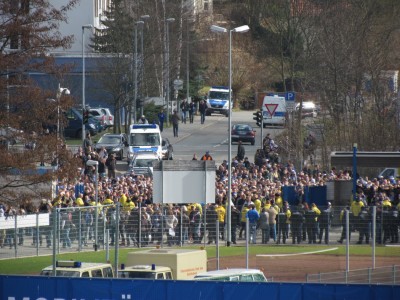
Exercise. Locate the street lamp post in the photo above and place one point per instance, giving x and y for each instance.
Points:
(61, 91)
(135, 63)
(87, 26)
(144, 17)
(96, 212)
(219, 29)
(167, 88)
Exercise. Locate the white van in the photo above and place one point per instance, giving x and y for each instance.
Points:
(80, 269)
(144, 138)
(238, 274)
(274, 111)
(218, 101)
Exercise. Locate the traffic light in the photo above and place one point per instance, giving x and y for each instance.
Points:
(85, 116)
(258, 117)
(139, 102)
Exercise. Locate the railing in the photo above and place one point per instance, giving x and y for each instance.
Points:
(382, 275)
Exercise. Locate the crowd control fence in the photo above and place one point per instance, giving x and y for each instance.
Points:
(46, 288)
(93, 228)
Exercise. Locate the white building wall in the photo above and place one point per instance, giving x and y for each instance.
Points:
(85, 12)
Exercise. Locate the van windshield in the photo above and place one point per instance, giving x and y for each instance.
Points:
(144, 139)
(218, 95)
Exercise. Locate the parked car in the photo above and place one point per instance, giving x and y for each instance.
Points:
(73, 129)
(104, 115)
(309, 109)
(114, 144)
(167, 150)
(244, 133)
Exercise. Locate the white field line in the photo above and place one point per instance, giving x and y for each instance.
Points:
(294, 254)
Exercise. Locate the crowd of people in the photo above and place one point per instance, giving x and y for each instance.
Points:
(256, 196)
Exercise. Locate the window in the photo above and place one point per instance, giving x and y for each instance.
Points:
(108, 272)
(168, 275)
(160, 276)
(85, 274)
(97, 273)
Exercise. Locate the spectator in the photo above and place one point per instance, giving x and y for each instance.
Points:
(143, 120)
(161, 119)
(202, 110)
(175, 122)
(207, 156)
(241, 151)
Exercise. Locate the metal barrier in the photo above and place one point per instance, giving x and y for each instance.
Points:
(381, 275)
(74, 228)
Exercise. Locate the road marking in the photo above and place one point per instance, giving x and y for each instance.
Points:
(294, 254)
(220, 144)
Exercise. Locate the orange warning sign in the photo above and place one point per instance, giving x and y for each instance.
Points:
(271, 108)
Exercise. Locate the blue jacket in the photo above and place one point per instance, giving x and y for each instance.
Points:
(253, 216)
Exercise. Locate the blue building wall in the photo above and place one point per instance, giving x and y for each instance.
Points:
(46, 288)
(95, 96)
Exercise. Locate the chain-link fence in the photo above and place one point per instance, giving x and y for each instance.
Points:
(90, 228)
(382, 275)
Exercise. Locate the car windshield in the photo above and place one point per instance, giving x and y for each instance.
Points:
(109, 139)
(219, 95)
(144, 139)
(142, 163)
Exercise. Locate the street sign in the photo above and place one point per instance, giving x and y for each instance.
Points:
(271, 108)
(289, 96)
(178, 84)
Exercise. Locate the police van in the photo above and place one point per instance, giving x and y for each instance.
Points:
(80, 269)
(218, 101)
(236, 274)
(144, 138)
(274, 111)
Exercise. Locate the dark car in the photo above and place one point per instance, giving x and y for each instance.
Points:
(244, 133)
(167, 150)
(113, 143)
(73, 129)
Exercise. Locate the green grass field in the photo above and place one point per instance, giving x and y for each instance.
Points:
(33, 265)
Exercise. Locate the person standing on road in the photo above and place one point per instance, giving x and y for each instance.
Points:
(191, 111)
(161, 119)
(241, 151)
(143, 120)
(111, 164)
(184, 108)
(202, 110)
(175, 122)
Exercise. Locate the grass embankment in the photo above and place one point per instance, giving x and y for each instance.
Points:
(33, 265)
